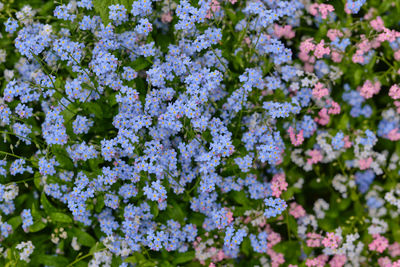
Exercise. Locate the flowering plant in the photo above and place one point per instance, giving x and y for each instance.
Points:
(200, 133)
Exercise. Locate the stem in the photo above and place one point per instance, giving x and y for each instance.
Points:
(84, 256)
(287, 223)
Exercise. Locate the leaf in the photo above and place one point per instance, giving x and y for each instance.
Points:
(60, 217)
(344, 121)
(140, 64)
(246, 246)
(62, 157)
(84, 238)
(101, 7)
(175, 212)
(48, 208)
(135, 258)
(37, 226)
(51, 260)
(15, 222)
(99, 204)
(183, 257)
(96, 247)
(95, 109)
(240, 197)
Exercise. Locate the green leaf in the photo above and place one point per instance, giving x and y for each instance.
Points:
(15, 222)
(240, 197)
(95, 109)
(84, 238)
(99, 203)
(62, 157)
(175, 212)
(48, 208)
(246, 246)
(135, 258)
(183, 257)
(37, 179)
(343, 123)
(37, 226)
(60, 217)
(101, 7)
(51, 260)
(96, 247)
(140, 64)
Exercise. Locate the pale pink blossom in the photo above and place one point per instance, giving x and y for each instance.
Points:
(278, 184)
(365, 163)
(296, 210)
(315, 155)
(314, 240)
(397, 55)
(394, 91)
(338, 261)
(333, 34)
(320, 50)
(323, 118)
(379, 244)
(319, 91)
(394, 249)
(331, 240)
(369, 89)
(394, 135)
(335, 108)
(296, 139)
(377, 24)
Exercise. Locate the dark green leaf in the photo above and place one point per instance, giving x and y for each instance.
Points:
(184, 257)
(37, 226)
(60, 217)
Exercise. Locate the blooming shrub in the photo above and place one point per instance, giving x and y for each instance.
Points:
(200, 133)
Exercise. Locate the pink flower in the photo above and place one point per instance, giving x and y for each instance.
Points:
(278, 184)
(397, 55)
(377, 24)
(336, 57)
(385, 262)
(394, 91)
(315, 155)
(379, 243)
(338, 261)
(335, 108)
(369, 89)
(314, 240)
(323, 117)
(214, 7)
(347, 143)
(324, 9)
(276, 258)
(397, 104)
(319, 91)
(394, 135)
(394, 249)
(285, 31)
(331, 241)
(297, 210)
(333, 34)
(306, 46)
(319, 261)
(320, 50)
(166, 17)
(365, 163)
(273, 239)
(296, 139)
(233, 1)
